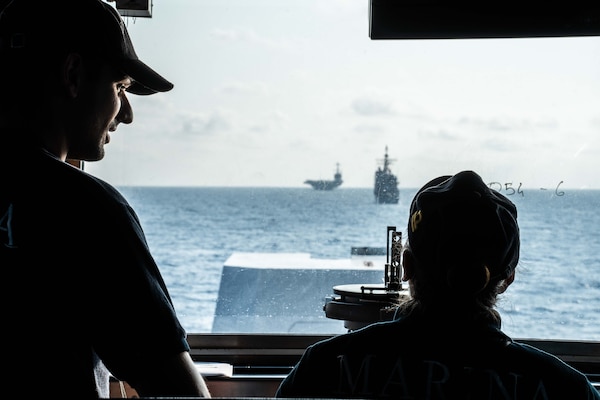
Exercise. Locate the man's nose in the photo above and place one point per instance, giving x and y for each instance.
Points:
(125, 114)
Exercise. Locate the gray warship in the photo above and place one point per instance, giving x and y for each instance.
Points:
(322, 184)
(386, 183)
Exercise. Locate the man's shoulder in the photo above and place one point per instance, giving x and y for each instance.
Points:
(43, 181)
(76, 181)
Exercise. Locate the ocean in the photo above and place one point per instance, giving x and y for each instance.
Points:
(191, 231)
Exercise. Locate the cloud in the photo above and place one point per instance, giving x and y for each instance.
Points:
(244, 88)
(508, 123)
(368, 128)
(439, 134)
(225, 34)
(369, 107)
(252, 37)
(273, 121)
(205, 124)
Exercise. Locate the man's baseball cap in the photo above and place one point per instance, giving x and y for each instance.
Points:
(458, 222)
(88, 26)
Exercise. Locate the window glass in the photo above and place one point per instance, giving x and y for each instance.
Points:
(270, 94)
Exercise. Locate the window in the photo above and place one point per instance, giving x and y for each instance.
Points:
(269, 94)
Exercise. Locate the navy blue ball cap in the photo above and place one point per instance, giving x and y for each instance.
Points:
(92, 27)
(458, 220)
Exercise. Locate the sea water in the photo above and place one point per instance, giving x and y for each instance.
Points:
(192, 231)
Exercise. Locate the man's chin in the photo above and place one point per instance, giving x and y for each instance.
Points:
(97, 156)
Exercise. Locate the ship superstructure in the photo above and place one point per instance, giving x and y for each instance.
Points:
(386, 183)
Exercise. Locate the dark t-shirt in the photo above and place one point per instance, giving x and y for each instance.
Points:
(81, 289)
(415, 359)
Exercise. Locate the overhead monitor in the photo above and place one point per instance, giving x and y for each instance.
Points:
(443, 19)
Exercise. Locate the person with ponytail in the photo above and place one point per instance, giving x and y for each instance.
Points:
(445, 341)
(462, 250)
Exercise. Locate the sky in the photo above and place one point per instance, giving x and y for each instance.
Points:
(271, 93)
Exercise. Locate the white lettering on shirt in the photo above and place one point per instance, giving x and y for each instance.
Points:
(6, 230)
(395, 381)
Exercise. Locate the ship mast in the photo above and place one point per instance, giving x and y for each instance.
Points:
(387, 161)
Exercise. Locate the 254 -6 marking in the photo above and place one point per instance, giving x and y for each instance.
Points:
(509, 188)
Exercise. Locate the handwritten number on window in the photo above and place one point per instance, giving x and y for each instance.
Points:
(557, 191)
(509, 189)
(497, 186)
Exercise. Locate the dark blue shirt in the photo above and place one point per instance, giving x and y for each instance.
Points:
(416, 359)
(81, 290)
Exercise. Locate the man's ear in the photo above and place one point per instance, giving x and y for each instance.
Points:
(72, 74)
(408, 265)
